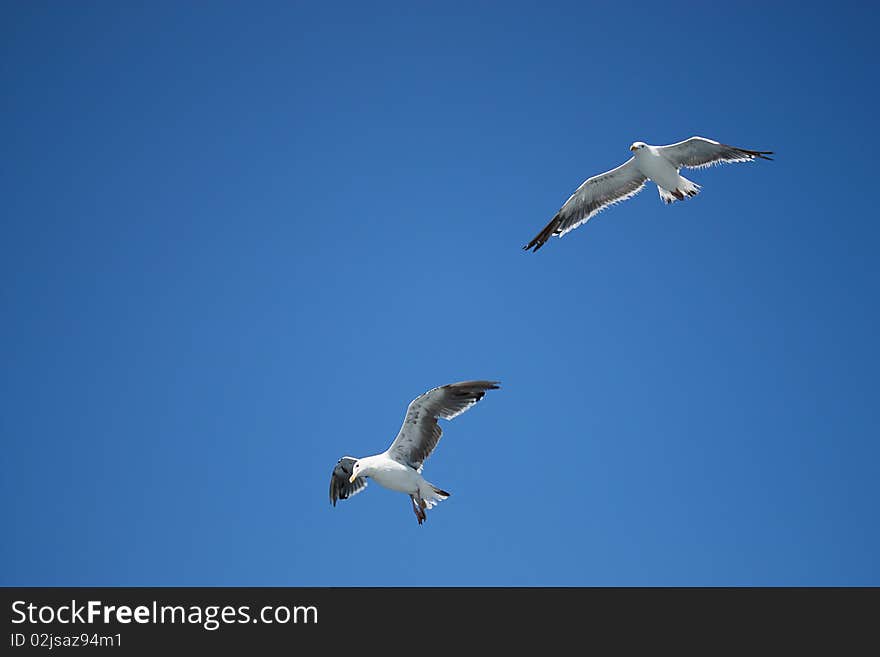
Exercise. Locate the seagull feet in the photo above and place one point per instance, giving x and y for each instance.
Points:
(419, 509)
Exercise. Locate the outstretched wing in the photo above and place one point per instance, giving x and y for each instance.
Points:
(594, 195)
(699, 152)
(420, 432)
(340, 487)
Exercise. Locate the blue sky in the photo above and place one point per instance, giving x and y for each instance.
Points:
(238, 239)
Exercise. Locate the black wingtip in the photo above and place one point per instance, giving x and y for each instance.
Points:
(548, 231)
(760, 155)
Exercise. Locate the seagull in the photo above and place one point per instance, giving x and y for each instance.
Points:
(400, 466)
(660, 164)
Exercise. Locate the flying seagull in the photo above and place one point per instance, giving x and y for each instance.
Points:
(400, 466)
(660, 164)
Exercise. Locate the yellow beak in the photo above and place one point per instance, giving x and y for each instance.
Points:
(352, 478)
(632, 148)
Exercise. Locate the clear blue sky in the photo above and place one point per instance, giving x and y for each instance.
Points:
(238, 239)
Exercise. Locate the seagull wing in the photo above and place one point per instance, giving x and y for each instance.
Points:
(699, 152)
(420, 432)
(340, 487)
(593, 196)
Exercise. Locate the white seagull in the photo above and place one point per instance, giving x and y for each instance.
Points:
(400, 466)
(660, 164)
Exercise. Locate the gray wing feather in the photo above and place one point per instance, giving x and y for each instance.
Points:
(594, 195)
(699, 152)
(420, 432)
(340, 488)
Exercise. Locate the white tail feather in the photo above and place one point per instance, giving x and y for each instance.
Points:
(432, 495)
(684, 189)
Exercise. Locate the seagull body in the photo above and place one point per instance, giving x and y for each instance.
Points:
(399, 468)
(659, 164)
(392, 474)
(655, 167)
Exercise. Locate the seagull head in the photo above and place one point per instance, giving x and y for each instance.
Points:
(365, 466)
(355, 471)
(637, 145)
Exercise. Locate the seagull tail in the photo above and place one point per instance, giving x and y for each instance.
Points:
(684, 189)
(432, 495)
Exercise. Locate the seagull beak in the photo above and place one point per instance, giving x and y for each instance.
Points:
(352, 478)
(632, 148)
